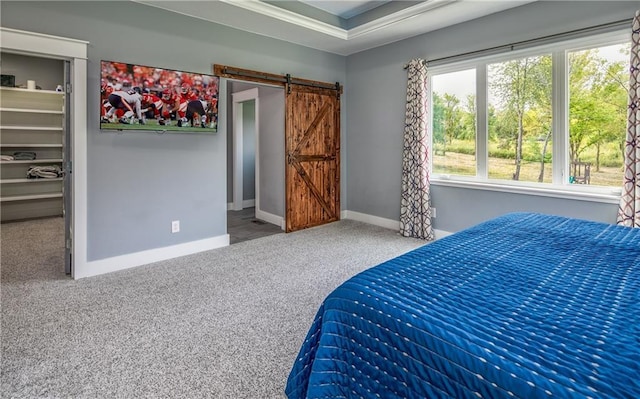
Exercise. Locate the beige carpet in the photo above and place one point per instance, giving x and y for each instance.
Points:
(225, 323)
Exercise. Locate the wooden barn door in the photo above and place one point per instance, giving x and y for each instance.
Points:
(312, 148)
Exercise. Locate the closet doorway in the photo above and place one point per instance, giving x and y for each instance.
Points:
(72, 53)
(255, 161)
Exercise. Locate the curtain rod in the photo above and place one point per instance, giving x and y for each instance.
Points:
(602, 28)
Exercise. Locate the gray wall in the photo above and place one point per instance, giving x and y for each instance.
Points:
(48, 73)
(377, 96)
(272, 150)
(139, 182)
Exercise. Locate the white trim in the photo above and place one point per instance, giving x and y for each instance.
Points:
(79, 171)
(237, 154)
(422, 7)
(290, 17)
(248, 203)
(245, 204)
(370, 219)
(294, 18)
(40, 44)
(266, 19)
(22, 42)
(238, 131)
(271, 218)
(560, 116)
(256, 157)
(386, 223)
(441, 233)
(141, 258)
(603, 196)
(482, 122)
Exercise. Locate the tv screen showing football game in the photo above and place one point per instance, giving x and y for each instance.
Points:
(138, 97)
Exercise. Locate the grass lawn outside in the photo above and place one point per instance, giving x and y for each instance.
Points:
(463, 164)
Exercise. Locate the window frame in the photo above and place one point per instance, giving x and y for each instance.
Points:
(559, 187)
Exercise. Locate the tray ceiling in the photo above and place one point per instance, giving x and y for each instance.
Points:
(340, 27)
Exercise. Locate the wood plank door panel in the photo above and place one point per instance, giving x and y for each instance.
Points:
(312, 145)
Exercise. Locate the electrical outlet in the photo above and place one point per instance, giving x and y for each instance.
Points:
(433, 212)
(175, 226)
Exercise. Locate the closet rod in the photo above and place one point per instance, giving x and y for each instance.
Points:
(572, 34)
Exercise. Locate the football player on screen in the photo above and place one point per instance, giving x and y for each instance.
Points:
(151, 105)
(128, 101)
(106, 88)
(170, 106)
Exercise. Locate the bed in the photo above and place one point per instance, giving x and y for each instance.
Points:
(522, 306)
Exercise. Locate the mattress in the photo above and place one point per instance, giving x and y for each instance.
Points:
(522, 306)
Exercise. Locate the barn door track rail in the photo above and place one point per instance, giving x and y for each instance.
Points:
(225, 71)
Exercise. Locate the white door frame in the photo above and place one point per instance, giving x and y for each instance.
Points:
(238, 131)
(41, 45)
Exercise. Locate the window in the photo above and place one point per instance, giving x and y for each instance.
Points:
(553, 116)
(598, 87)
(519, 119)
(454, 123)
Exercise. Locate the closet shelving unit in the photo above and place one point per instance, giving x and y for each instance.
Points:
(30, 120)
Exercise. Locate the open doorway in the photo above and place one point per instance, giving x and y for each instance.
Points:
(255, 189)
(312, 145)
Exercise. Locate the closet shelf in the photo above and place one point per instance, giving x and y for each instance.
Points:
(38, 128)
(32, 111)
(32, 120)
(17, 181)
(31, 145)
(30, 197)
(22, 161)
(35, 92)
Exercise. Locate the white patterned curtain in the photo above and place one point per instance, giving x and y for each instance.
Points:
(629, 210)
(415, 206)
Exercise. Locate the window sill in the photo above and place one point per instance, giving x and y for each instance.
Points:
(581, 193)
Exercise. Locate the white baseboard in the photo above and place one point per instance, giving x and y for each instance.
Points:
(245, 204)
(102, 266)
(370, 219)
(441, 233)
(271, 218)
(248, 203)
(382, 222)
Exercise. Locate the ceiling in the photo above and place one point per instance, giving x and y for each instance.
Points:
(345, 9)
(340, 27)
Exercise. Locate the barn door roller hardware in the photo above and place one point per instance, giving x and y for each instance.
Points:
(287, 80)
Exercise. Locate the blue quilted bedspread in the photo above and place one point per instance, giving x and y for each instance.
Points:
(522, 306)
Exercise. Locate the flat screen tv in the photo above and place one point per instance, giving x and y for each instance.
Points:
(138, 97)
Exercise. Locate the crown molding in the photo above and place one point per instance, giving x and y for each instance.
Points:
(397, 17)
(328, 29)
(289, 17)
(269, 20)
